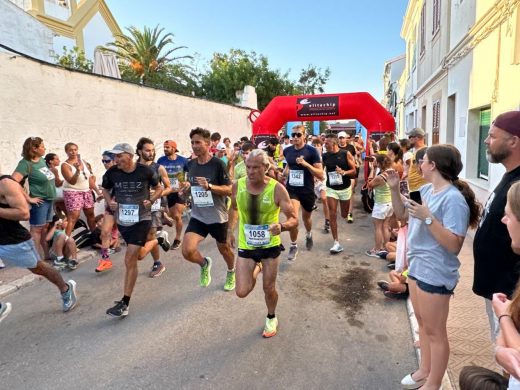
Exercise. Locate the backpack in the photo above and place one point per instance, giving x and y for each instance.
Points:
(367, 198)
(81, 234)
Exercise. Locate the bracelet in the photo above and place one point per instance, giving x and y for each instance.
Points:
(503, 315)
(281, 227)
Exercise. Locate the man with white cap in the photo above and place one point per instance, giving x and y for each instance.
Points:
(130, 184)
(496, 265)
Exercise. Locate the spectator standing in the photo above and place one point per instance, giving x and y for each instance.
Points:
(436, 232)
(78, 188)
(53, 162)
(42, 190)
(496, 265)
(415, 179)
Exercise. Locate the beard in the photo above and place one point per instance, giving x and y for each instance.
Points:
(497, 156)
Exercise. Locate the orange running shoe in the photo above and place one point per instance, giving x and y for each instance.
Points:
(104, 265)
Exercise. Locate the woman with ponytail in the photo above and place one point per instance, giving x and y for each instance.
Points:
(436, 232)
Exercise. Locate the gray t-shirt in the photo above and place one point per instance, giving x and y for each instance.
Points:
(206, 206)
(429, 261)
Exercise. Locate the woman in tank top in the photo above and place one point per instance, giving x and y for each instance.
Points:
(77, 188)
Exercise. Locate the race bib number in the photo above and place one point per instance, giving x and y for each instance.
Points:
(48, 173)
(128, 213)
(201, 197)
(296, 178)
(257, 235)
(335, 179)
(174, 182)
(156, 206)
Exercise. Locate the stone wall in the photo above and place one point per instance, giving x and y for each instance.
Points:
(95, 112)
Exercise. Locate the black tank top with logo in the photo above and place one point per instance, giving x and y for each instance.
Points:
(11, 232)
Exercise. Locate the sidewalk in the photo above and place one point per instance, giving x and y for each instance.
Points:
(13, 278)
(468, 327)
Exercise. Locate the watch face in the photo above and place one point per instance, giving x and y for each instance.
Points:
(428, 221)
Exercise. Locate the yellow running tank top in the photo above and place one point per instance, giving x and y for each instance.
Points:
(256, 213)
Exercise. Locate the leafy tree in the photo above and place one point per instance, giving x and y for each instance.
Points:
(74, 59)
(312, 80)
(146, 53)
(231, 72)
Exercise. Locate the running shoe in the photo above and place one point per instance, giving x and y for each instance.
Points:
(336, 248)
(72, 264)
(395, 295)
(176, 245)
(205, 273)
(390, 266)
(326, 227)
(60, 264)
(162, 238)
(372, 253)
(2, 265)
(69, 297)
(104, 265)
(382, 253)
(5, 309)
(350, 218)
(270, 328)
(230, 281)
(309, 243)
(119, 310)
(383, 285)
(293, 252)
(157, 270)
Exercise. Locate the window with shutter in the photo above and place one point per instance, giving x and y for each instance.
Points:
(436, 122)
(484, 123)
(423, 28)
(436, 16)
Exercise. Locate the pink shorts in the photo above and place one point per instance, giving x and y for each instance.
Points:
(78, 200)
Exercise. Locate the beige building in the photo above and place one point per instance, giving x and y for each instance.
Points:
(462, 69)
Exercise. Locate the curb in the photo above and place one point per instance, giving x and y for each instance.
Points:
(414, 326)
(27, 280)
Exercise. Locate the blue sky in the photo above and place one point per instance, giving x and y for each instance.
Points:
(352, 38)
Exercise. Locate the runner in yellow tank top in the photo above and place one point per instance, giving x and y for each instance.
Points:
(256, 201)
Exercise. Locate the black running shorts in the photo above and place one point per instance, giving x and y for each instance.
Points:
(260, 254)
(135, 234)
(217, 230)
(175, 198)
(306, 199)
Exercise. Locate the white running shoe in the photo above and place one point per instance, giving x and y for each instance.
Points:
(336, 248)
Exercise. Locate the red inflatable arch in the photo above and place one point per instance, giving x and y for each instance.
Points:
(359, 105)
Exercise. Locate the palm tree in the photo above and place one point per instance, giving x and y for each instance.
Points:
(145, 51)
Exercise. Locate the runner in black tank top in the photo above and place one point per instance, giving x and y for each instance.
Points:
(17, 247)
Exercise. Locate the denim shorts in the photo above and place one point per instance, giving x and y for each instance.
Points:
(42, 213)
(430, 288)
(23, 255)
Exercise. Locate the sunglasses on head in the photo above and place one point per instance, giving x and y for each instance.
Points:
(106, 161)
(297, 135)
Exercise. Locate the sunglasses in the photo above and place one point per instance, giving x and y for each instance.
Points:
(297, 135)
(106, 161)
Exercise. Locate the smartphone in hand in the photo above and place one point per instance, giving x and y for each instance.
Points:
(416, 196)
(403, 188)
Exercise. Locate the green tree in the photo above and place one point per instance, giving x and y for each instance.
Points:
(146, 53)
(74, 59)
(312, 80)
(231, 72)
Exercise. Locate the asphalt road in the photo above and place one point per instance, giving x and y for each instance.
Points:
(337, 331)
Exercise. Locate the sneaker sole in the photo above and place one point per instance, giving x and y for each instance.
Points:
(121, 316)
(6, 312)
(269, 335)
(158, 273)
(73, 286)
(335, 252)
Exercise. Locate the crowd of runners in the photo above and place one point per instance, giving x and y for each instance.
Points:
(420, 208)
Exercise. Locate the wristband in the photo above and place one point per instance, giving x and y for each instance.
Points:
(281, 227)
(503, 315)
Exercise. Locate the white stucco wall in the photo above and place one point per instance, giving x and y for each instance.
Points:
(61, 106)
(96, 33)
(23, 33)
